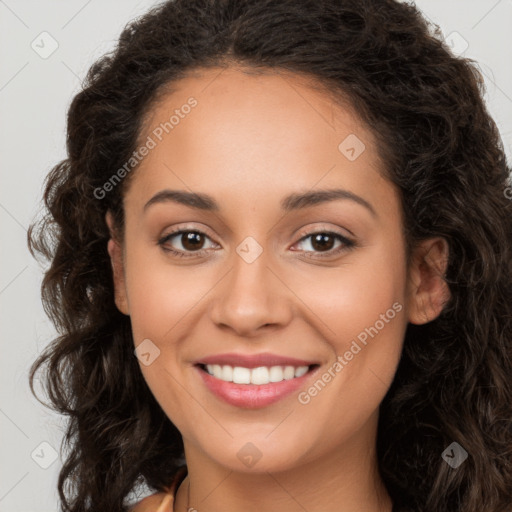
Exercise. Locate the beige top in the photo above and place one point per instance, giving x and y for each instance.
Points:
(162, 501)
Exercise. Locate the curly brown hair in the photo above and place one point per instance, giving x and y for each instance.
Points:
(442, 150)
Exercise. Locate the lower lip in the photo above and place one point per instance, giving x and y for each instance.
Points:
(252, 396)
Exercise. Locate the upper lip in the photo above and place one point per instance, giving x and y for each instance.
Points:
(254, 360)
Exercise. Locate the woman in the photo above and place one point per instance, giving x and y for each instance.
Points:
(281, 265)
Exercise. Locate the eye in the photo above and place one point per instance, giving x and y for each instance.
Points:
(190, 243)
(324, 242)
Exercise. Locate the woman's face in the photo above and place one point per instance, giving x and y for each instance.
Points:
(296, 253)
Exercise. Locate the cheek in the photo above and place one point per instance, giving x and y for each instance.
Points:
(352, 297)
(160, 295)
(348, 299)
(361, 306)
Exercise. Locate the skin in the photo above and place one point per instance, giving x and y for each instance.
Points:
(250, 141)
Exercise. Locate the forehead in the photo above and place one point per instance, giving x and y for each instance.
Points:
(253, 133)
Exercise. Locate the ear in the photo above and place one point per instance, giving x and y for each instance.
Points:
(116, 259)
(427, 288)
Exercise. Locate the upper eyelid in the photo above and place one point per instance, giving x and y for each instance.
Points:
(179, 231)
(182, 229)
(313, 231)
(304, 234)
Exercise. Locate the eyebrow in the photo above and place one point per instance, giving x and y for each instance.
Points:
(296, 201)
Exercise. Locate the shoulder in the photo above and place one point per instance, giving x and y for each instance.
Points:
(163, 501)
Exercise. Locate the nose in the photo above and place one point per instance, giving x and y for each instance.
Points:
(252, 297)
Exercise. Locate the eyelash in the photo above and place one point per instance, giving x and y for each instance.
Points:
(346, 244)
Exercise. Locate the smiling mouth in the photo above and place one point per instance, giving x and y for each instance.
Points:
(259, 376)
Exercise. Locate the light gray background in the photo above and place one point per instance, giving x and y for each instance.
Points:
(34, 96)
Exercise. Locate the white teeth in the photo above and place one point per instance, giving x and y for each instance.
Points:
(227, 373)
(258, 376)
(289, 372)
(301, 370)
(241, 375)
(276, 374)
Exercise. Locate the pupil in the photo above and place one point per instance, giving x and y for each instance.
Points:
(319, 240)
(191, 241)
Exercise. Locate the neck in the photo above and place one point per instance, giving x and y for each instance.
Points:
(346, 479)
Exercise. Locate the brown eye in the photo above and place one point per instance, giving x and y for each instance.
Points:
(322, 241)
(192, 240)
(186, 243)
(324, 244)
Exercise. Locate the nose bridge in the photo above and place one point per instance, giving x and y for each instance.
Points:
(251, 296)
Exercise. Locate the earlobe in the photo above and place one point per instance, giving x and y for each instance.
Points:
(116, 259)
(428, 291)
